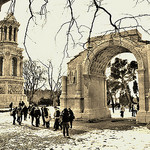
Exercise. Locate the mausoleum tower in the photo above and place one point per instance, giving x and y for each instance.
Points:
(11, 63)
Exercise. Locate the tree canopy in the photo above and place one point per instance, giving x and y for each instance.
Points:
(122, 74)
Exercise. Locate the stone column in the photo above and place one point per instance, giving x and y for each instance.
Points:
(141, 89)
(18, 66)
(1, 33)
(106, 109)
(105, 92)
(87, 99)
(78, 97)
(21, 68)
(148, 58)
(78, 85)
(7, 38)
(63, 97)
(148, 95)
(17, 35)
(141, 116)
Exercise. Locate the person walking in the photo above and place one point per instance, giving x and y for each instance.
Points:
(134, 110)
(19, 115)
(71, 116)
(42, 114)
(37, 114)
(25, 111)
(14, 112)
(11, 106)
(32, 114)
(122, 111)
(57, 119)
(47, 117)
(65, 122)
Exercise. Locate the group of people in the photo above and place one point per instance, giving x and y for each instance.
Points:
(20, 111)
(133, 109)
(62, 120)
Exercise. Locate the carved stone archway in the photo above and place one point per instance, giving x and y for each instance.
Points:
(86, 94)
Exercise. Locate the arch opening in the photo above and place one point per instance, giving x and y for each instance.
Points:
(96, 71)
(118, 96)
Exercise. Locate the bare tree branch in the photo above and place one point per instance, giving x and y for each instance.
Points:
(12, 7)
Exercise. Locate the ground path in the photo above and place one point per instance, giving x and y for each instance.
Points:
(110, 134)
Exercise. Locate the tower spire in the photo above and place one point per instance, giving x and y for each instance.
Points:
(9, 29)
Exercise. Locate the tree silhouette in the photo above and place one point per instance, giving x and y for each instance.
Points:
(122, 73)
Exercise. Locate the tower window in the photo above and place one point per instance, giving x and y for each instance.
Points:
(15, 30)
(1, 66)
(14, 66)
(10, 33)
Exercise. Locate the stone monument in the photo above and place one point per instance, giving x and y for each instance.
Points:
(11, 63)
(84, 87)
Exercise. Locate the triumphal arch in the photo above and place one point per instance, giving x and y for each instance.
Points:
(84, 87)
(11, 63)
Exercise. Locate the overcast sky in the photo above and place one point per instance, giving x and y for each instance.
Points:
(41, 44)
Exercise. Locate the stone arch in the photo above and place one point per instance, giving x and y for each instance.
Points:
(94, 68)
(104, 48)
(89, 100)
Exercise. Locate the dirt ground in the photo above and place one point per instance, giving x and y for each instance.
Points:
(80, 126)
(83, 135)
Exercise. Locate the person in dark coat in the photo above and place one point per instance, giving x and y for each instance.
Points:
(122, 111)
(25, 111)
(42, 113)
(32, 114)
(65, 122)
(57, 119)
(37, 114)
(47, 117)
(22, 103)
(71, 116)
(10, 106)
(19, 115)
(14, 112)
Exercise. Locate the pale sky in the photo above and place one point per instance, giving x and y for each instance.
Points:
(41, 44)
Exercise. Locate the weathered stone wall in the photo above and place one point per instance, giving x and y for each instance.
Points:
(85, 90)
